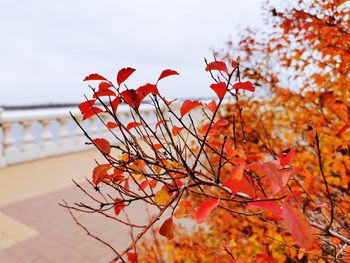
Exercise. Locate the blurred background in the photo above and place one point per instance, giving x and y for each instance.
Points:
(48, 47)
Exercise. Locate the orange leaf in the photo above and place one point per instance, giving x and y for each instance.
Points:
(247, 85)
(167, 73)
(167, 229)
(189, 105)
(157, 146)
(162, 197)
(262, 258)
(219, 88)
(103, 145)
(205, 208)
(124, 74)
(94, 77)
(100, 172)
(217, 65)
(119, 206)
(298, 226)
(175, 130)
(184, 209)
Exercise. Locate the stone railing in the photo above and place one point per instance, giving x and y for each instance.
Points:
(27, 135)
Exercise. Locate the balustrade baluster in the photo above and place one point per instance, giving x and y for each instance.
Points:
(79, 137)
(47, 136)
(93, 129)
(28, 137)
(2, 152)
(63, 133)
(10, 150)
(9, 142)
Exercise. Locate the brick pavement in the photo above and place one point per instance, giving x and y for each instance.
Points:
(34, 228)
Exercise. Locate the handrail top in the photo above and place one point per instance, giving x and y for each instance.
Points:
(12, 116)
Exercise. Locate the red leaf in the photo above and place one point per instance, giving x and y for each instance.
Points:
(133, 125)
(168, 102)
(175, 130)
(213, 129)
(286, 157)
(104, 86)
(212, 106)
(219, 88)
(234, 63)
(278, 178)
(188, 105)
(247, 85)
(92, 112)
(167, 229)
(115, 103)
(220, 123)
(144, 184)
(119, 206)
(124, 74)
(298, 226)
(86, 106)
(161, 122)
(111, 125)
(167, 73)
(126, 185)
(145, 90)
(102, 93)
(205, 208)
(94, 77)
(217, 65)
(268, 205)
(103, 145)
(132, 257)
(229, 149)
(131, 98)
(243, 186)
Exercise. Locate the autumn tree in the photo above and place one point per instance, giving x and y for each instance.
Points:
(264, 176)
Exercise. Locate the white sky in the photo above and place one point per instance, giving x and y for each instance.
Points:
(47, 47)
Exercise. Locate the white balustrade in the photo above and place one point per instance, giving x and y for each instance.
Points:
(35, 134)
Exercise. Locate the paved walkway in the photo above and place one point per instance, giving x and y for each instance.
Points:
(34, 228)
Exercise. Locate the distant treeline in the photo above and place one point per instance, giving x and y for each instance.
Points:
(66, 105)
(39, 106)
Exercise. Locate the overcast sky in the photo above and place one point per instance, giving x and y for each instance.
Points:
(48, 47)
